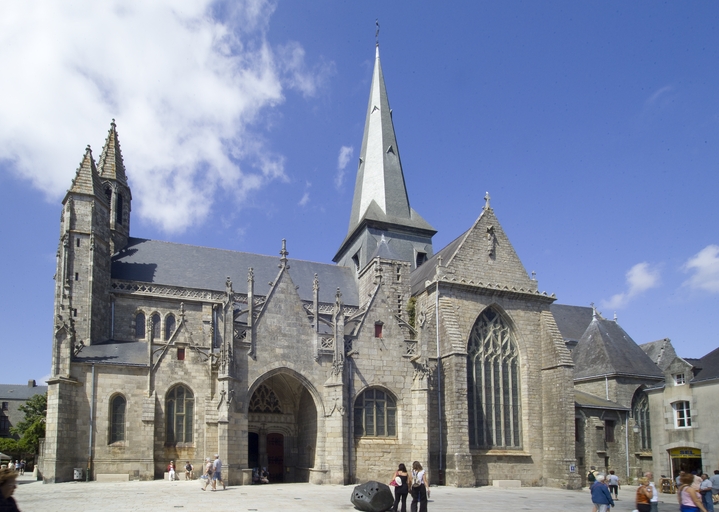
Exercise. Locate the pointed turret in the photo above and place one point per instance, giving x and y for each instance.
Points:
(86, 181)
(117, 191)
(381, 205)
(111, 164)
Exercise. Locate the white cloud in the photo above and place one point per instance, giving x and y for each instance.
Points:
(705, 265)
(185, 79)
(640, 278)
(658, 94)
(306, 196)
(343, 159)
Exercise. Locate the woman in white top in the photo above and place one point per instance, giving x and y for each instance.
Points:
(419, 484)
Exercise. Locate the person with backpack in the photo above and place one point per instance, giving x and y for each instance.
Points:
(592, 475)
(419, 486)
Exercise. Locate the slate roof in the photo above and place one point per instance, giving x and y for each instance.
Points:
(661, 352)
(20, 391)
(428, 270)
(384, 251)
(132, 353)
(605, 349)
(708, 367)
(572, 321)
(588, 401)
(189, 266)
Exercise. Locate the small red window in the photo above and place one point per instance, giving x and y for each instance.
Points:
(378, 330)
(181, 354)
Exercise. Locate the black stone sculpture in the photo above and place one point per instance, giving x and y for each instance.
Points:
(372, 497)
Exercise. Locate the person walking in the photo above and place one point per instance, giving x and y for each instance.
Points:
(613, 484)
(188, 471)
(644, 495)
(207, 473)
(217, 475)
(401, 488)
(420, 487)
(601, 497)
(688, 497)
(715, 486)
(171, 470)
(705, 490)
(654, 501)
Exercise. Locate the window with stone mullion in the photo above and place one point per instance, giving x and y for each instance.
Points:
(493, 384)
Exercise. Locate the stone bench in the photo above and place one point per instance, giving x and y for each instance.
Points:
(507, 483)
(112, 477)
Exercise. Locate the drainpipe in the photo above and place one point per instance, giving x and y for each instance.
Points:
(626, 438)
(92, 417)
(439, 382)
(606, 386)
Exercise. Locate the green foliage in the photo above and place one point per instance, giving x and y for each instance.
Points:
(9, 446)
(32, 428)
(411, 307)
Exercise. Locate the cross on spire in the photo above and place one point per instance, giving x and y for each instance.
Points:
(376, 32)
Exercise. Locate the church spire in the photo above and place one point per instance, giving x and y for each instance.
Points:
(380, 201)
(380, 178)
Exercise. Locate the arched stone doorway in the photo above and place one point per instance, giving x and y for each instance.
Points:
(282, 428)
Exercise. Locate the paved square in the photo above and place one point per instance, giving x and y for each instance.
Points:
(160, 495)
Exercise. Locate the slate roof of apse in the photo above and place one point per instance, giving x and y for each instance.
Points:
(115, 352)
(428, 270)
(661, 352)
(583, 399)
(709, 367)
(20, 391)
(606, 349)
(572, 321)
(189, 266)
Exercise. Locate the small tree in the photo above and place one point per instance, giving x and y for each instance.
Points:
(32, 428)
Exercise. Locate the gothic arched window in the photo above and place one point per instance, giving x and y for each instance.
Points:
(169, 326)
(140, 326)
(640, 412)
(375, 414)
(118, 209)
(493, 384)
(117, 419)
(156, 323)
(265, 400)
(180, 409)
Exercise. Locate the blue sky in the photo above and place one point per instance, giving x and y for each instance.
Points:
(593, 125)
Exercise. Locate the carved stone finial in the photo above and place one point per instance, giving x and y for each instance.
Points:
(338, 296)
(182, 310)
(534, 275)
(228, 285)
(250, 275)
(594, 310)
(316, 283)
(486, 199)
(283, 255)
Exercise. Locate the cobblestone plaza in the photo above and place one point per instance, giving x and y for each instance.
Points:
(181, 495)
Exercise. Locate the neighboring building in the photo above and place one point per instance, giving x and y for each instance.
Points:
(12, 396)
(685, 411)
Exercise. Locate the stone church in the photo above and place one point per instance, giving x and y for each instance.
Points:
(324, 373)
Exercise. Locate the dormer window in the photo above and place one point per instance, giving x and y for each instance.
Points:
(679, 379)
(420, 259)
(355, 260)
